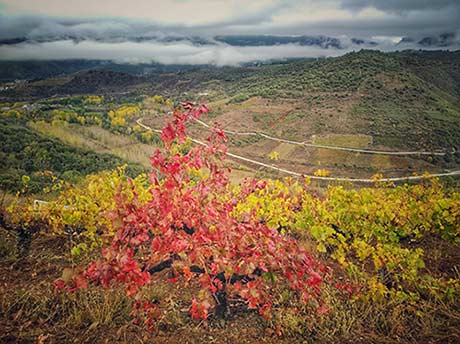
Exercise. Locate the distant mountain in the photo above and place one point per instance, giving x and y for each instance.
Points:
(359, 41)
(268, 40)
(234, 40)
(37, 70)
(443, 40)
(12, 41)
(109, 39)
(99, 81)
(30, 70)
(437, 40)
(186, 48)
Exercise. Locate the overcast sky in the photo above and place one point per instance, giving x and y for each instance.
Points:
(99, 24)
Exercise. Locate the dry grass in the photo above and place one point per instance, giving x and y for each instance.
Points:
(285, 150)
(381, 162)
(95, 138)
(137, 152)
(344, 140)
(104, 136)
(238, 175)
(29, 310)
(66, 134)
(255, 113)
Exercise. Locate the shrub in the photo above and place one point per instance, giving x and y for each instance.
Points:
(188, 228)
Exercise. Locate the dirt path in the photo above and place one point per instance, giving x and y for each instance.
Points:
(313, 177)
(313, 145)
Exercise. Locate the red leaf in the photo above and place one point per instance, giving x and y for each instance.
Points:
(81, 282)
(168, 134)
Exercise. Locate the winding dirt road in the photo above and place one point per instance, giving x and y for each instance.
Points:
(314, 145)
(313, 177)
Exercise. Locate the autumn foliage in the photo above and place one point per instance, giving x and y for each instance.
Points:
(188, 233)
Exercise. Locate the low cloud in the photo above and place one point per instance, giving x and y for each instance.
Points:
(182, 52)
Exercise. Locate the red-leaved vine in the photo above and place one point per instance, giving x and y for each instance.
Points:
(188, 229)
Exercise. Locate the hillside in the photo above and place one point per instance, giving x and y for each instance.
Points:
(368, 100)
(372, 93)
(184, 256)
(25, 152)
(402, 100)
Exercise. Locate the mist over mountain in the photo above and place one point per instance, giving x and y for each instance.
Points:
(195, 50)
(221, 33)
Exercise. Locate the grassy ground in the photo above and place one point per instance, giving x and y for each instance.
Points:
(344, 140)
(30, 312)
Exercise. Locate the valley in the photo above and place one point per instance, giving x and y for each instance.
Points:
(342, 115)
(309, 200)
